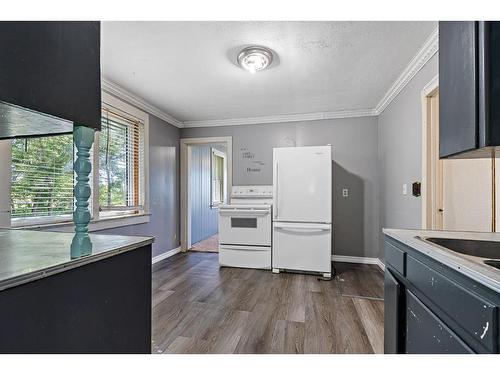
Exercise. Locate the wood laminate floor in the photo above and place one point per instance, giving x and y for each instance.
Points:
(199, 308)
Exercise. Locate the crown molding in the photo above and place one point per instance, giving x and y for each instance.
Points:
(281, 118)
(118, 91)
(428, 50)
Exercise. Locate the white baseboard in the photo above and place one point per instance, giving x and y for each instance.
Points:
(362, 260)
(166, 255)
(335, 258)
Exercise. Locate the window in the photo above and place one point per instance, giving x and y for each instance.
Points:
(218, 177)
(42, 178)
(121, 164)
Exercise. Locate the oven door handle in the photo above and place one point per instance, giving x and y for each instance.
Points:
(244, 211)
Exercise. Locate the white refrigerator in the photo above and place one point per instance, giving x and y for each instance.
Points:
(302, 209)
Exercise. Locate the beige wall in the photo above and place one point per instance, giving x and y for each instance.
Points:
(467, 194)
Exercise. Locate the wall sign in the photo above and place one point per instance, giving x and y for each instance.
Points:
(250, 164)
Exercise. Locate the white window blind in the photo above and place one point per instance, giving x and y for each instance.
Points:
(121, 163)
(42, 179)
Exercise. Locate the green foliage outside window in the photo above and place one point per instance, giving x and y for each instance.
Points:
(112, 165)
(42, 176)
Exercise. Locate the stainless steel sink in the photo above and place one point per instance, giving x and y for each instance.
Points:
(482, 249)
(492, 263)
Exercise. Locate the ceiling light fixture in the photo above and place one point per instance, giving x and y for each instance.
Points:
(255, 58)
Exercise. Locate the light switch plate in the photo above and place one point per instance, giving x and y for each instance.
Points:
(405, 189)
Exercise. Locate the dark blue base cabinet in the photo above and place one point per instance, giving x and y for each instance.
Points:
(432, 309)
(100, 307)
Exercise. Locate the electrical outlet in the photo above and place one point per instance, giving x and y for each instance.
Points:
(405, 189)
(345, 192)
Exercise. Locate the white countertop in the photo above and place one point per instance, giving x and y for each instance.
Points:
(468, 265)
(29, 255)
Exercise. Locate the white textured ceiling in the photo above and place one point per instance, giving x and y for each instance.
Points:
(187, 69)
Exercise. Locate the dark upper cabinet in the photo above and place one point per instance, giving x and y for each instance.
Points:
(51, 68)
(469, 88)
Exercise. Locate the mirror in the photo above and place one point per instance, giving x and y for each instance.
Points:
(16, 122)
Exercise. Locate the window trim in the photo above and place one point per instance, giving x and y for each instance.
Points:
(94, 225)
(112, 102)
(106, 221)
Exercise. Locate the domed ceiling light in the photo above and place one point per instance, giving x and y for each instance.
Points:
(255, 58)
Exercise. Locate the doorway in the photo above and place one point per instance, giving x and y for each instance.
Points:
(457, 194)
(206, 179)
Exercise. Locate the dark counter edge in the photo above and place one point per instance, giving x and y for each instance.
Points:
(73, 263)
(460, 265)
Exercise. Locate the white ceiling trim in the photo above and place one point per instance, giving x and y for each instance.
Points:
(428, 50)
(281, 118)
(118, 91)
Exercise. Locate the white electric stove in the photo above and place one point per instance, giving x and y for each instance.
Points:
(245, 228)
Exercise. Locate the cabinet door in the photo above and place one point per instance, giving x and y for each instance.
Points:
(392, 316)
(52, 67)
(427, 334)
(458, 72)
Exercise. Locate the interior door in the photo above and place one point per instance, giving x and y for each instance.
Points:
(302, 184)
(467, 194)
(462, 193)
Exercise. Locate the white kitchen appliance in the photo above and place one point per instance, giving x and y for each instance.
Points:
(302, 209)
(245, 228)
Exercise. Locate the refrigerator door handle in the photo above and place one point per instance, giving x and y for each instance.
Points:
(277, 192)
(303, 229)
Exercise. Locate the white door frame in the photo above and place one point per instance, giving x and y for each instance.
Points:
(185, 144)
(429, 174)
(224, 173)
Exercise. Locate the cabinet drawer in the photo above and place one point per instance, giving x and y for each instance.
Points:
(427, 334)
(395, 258)
(468, 310)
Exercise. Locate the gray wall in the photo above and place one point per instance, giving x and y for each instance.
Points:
(164, 168)
(400, 152)
(354, 153)
(204, 219)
